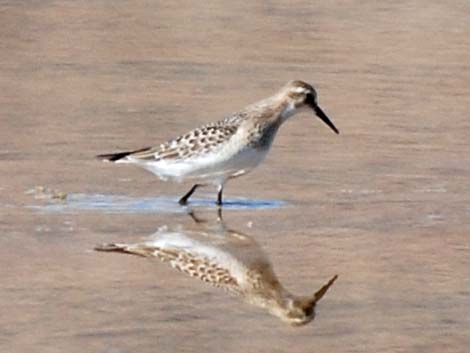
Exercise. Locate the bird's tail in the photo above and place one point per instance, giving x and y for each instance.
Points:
(112, 247)
(139, 249)
(114, 157)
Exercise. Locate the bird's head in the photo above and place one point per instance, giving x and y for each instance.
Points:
(299, 95)
(298, 311)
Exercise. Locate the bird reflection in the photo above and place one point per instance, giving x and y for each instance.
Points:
(227, 259)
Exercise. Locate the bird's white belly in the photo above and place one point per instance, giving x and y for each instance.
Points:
(244, 161)
(215, 166)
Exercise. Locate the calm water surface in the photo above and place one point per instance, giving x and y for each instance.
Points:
(385, 205)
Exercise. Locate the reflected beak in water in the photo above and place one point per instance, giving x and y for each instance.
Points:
(321, 292)
(312, 104)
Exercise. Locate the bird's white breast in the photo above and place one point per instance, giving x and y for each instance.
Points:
(232, 158)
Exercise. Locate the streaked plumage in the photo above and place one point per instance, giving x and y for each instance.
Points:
(229, 260)
(217, 152)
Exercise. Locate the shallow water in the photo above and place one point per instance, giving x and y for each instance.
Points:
(385, 205)
(163, 204)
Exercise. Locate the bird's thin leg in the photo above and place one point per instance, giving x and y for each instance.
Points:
(184, 199)
(219, 194)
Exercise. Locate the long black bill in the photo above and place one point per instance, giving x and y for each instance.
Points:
(311, 102)
(324, 118)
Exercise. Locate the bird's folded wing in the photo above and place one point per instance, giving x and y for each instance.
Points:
(194, 143)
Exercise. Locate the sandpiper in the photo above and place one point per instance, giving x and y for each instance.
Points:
(226, 259)
(217, 152)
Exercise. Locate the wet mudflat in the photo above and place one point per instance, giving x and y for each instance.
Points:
(385, 205)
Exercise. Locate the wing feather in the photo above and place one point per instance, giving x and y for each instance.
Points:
(202, 267)
(196, 142)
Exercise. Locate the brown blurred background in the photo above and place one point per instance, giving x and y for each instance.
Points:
(385, 204)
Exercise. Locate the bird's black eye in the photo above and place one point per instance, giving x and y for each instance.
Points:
(310, 99)
(309, 311)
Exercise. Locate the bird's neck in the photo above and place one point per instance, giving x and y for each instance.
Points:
(270, 111)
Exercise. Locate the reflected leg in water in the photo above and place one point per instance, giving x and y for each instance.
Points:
(197, 220)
